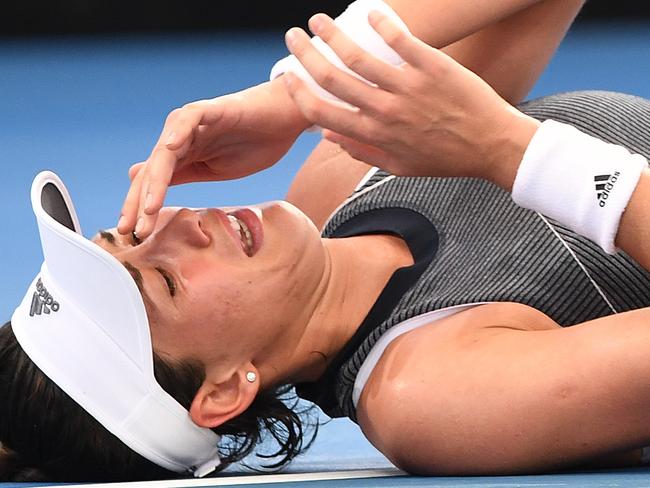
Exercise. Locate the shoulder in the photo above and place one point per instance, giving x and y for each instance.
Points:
(428, 372)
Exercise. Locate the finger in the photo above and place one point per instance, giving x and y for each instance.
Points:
(130, 207)
(353, 56)
(339, 83)
(360, 151)
(181, 124)
(146, 221)
(410, 48)
(135, 169)
(158, 175)
(326, 114)
(147, 193)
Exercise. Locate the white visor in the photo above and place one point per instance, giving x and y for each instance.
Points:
(84, 324)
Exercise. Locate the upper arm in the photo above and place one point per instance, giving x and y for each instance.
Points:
(510, 55)
(505, 390)
(325, 180)
(507, 43)
(441, 22)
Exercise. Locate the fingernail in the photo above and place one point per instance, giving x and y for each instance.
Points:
(290, 37)
(122, 222)
(171, 139)
(316, 24)
(288, 78)
(139, 227)
(147, 202)
(374, 15)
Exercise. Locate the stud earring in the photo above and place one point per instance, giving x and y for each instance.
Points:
(251, 377)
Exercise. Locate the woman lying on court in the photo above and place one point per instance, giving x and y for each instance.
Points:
(432, 311)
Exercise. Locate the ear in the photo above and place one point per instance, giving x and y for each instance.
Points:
(221, 398)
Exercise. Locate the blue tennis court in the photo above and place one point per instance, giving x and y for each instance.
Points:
(89, 108)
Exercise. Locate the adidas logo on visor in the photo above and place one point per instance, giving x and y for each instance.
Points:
(604, 185)
(42, 301)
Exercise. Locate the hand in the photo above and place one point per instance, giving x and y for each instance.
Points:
(428, 117)
(220, 139)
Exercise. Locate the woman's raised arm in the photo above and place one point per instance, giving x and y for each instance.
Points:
(208, 140)
(236, 135)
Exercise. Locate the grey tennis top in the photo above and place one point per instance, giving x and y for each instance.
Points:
(472, 244)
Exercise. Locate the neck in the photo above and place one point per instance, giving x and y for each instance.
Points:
(355, 273)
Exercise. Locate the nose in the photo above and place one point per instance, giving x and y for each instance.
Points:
(185, 226)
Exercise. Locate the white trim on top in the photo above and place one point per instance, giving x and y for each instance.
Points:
(393, 333)
(368, 175)
(371, 172)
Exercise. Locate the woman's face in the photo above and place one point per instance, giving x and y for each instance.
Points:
(216, 287)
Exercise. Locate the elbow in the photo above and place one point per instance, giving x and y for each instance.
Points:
(420, 454)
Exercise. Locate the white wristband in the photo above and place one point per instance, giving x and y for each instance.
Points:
(354, 23)
(578, 180)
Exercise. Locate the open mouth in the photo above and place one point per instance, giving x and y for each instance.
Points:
(243, 225)
(245, 234)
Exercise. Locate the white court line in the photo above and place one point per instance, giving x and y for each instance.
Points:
(249, 480)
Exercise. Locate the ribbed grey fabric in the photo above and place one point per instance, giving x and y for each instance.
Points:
(492, 250)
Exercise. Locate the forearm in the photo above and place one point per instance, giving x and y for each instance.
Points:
(634, 231)
(289, 114)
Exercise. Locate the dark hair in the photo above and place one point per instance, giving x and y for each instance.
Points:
(46, 436)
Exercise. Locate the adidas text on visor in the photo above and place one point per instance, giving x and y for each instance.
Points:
(84, 324)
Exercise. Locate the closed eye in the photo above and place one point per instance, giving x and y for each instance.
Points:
(132, 240)
(171, 285)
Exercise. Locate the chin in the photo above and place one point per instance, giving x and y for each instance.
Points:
(279, 210)
(287, 228)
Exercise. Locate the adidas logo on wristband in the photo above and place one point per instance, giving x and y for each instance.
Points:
(604, 185)
(42, 301)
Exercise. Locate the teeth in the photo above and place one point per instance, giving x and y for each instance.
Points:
(244, 232)
(234, 223)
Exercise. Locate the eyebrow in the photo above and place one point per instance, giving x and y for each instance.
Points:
(107, 236)
(139, 282)
(133, 271)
